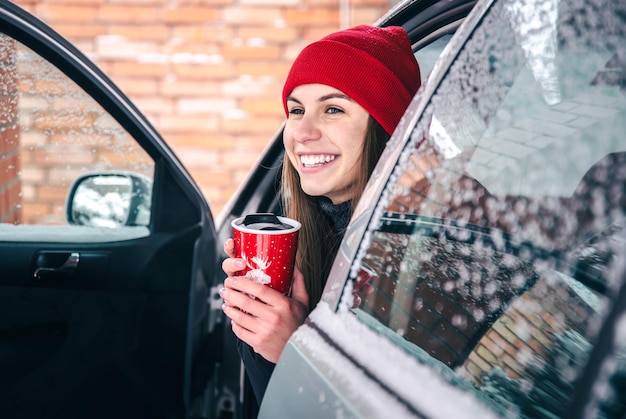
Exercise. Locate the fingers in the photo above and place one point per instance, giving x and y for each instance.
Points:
(241, 319)
(263, 317)
(232, 266)
(249, 295)
(229, 248)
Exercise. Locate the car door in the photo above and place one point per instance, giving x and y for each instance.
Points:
(107, 247)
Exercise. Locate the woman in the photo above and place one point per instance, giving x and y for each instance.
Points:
(343, 98)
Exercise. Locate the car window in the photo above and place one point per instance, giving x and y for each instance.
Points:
(427, 55)
(53, 135)
(494, 252)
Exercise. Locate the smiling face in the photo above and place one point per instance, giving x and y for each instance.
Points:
(323, 139)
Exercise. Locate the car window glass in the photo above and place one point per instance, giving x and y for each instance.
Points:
(427, 55)
(51, 135)
(495, 252)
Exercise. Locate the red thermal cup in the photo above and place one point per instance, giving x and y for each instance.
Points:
(267, 243)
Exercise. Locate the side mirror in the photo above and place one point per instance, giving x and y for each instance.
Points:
(109, 199)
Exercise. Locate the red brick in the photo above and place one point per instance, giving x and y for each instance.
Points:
(65, 121)
(32, 212)
(8, 109)
(139, 2)
(213, 142)
(79, 30)
(52, 193)
(207, 2)
(128, 14)
(64, 14)
(244, 87)
(366, 16)
(143, 32)
(189, 88)
(140, 69)
(276, 68)
(214, 32)
(180, 124)
(360, 3)
(76, 2)
(251, 125)
(251, 52)
(204, 105)
(27, 4)
(260, 3)
(154, 105)
(262, 106)
(270, 34)
(251, 15)
(190, 15)
(138, 86)
(314, 33)
(45, 158)
(328, 16)
(331, 3)
(7, 52)
(214, 178)
(204, 71)
(9, 167)
(243, 159)
(195, 50)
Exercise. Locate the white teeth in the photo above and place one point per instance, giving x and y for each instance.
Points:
(310, 160)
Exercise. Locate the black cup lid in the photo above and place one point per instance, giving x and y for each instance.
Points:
(264, 221)
(262, 217)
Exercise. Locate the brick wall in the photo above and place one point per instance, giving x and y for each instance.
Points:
(207, 73)
(503, 347)
(63, 133)
(9, 136)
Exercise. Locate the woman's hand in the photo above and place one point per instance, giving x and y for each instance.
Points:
(261, 316)
(231, 266)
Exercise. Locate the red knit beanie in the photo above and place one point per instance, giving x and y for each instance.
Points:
(374, 66)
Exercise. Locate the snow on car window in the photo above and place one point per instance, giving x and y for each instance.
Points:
(51, 132)
(495, 247)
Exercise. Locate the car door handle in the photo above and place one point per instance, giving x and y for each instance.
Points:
(63, 263)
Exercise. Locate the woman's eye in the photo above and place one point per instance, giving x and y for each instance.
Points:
(333, 110)
(296, 111)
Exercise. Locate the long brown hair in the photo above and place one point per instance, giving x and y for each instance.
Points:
(317, 242)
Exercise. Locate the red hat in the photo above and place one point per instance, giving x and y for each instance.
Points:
(373, 66)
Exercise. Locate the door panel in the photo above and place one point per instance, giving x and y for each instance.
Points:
(123, 321)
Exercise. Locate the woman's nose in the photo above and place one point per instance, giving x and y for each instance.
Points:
(306, 129)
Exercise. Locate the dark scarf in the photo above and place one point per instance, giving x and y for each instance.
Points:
(339, 215)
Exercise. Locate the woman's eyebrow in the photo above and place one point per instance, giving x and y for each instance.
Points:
(335, 96)
(323, 98)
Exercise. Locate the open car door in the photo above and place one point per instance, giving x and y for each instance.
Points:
(107, 247)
